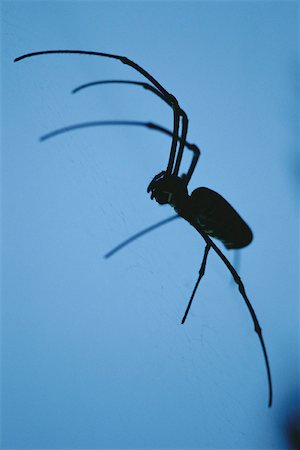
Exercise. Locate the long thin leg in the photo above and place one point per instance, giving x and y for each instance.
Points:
(150, 125)
(147, 86)
(139, 234)
(171, 98)
(201, 274)
(183, 138)
(241, 287)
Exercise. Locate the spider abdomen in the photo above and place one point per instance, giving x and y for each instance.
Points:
(219, 219)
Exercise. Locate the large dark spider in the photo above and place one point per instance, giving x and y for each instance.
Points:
(207, 211)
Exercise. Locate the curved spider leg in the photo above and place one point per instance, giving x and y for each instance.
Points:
(149, 125)
(146, 86)
(95, 123)
(242, 291)
(171, 98)
(139, 234)
(183, 115)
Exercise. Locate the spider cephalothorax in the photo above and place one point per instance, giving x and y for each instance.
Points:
(169, 189)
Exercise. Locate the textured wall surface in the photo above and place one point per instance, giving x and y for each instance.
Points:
(93, 353)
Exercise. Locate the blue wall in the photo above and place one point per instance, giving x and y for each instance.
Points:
(93, 353)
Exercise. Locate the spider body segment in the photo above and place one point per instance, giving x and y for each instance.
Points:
(206, 210)
(205, 207)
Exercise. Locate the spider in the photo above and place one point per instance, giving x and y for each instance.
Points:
(204, 209)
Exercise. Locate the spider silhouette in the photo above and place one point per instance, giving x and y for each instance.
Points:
(206, 210)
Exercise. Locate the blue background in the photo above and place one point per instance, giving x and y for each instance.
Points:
(93, 353)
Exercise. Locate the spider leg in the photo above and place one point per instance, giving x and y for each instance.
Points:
(184, 119)
(139, 234)
(146, 86)
(242, 291)
(183, 115)
(171, 98)
(95, 123)
(201, 274)
(149, 125)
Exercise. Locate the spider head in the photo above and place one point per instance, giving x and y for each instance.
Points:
(168, 189)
